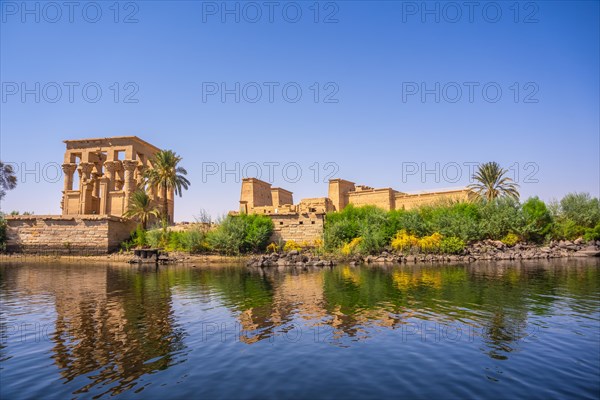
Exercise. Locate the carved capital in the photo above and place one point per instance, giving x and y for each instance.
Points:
(130, 165)
(69, 168)
(111, 166)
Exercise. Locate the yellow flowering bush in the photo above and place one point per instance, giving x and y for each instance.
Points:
(510, 239)
(349, 248)
(291, 245)
(272, 248)
(430, 243)
(403, 241)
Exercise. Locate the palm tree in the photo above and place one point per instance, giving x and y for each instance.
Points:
(8, 179)
(165, 175)
(141, 208)
(491, 182)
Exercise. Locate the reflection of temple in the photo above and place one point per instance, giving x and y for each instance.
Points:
(108, 171)
(107, 324)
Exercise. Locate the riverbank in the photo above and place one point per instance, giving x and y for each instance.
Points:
(124, 258)
(488, 250)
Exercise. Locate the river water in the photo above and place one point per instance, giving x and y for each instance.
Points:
(527, 330)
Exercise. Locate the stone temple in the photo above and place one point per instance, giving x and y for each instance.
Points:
(99, 177)
(108, 171)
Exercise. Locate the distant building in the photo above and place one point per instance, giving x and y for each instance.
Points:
(304, 222)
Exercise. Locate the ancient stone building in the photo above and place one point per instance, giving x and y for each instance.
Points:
(108, 171)
(99, 177)
(304, 222)
(343, 193)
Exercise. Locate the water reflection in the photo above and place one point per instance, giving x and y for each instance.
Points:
(115, 325)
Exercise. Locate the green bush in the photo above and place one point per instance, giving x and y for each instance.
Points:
(537, 220)
(500, 217)
(580, 208)
(461, 220)
(154, 238)
(452, 245)
(592, 233)
(2, 233)
(241, 234)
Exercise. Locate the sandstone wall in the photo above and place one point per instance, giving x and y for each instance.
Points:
(297, 227)
(82, 234)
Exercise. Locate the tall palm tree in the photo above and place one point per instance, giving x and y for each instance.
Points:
(141, 208)
(165, 175)
(490, 182)
(8, 179)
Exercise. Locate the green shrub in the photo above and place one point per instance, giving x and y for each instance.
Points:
(154, 238)
(241, 234)
(537, 220)
(452, 245)
(592, 233)
(461, 220)
(580, 208)
(2, 233)
(500, 217)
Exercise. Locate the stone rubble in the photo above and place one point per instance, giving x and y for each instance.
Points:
(488, 250)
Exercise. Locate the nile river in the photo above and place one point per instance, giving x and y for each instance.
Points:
(529, 330)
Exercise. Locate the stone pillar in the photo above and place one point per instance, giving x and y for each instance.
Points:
(68, 170)
(118, 176)
(85, 193)
(129, 188)
(111, 167)
(104, 184)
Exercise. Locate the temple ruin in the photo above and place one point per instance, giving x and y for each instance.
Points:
(100, 176)
(108, 170)
(304, 222)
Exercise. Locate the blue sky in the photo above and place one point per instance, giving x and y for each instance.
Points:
(370, 123)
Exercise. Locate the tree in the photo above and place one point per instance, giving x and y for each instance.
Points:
(166, 175)
(538, 220)
(8, 179)
(491, 183)
(141, 208)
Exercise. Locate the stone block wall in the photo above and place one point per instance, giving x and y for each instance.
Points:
(81, 234)
(297, 227)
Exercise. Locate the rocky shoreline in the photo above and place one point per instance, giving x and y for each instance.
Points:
(488, 250)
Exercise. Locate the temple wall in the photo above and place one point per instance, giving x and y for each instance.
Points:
(84, 234)
(382, 198)
(297, 227)
(411, 201)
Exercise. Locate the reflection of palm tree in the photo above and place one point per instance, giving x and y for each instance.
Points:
(491, 182)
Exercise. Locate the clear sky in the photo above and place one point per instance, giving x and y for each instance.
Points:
(389, 91)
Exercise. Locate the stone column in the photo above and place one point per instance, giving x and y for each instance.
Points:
(104, 184)
(111, 167)
(129, 188)
(68, 170)
(85, 193)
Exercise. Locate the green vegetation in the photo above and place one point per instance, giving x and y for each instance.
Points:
(2, 232)
(444, 228)
(233, 236)
(447, 228)
(141, 208)
(8, 179)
